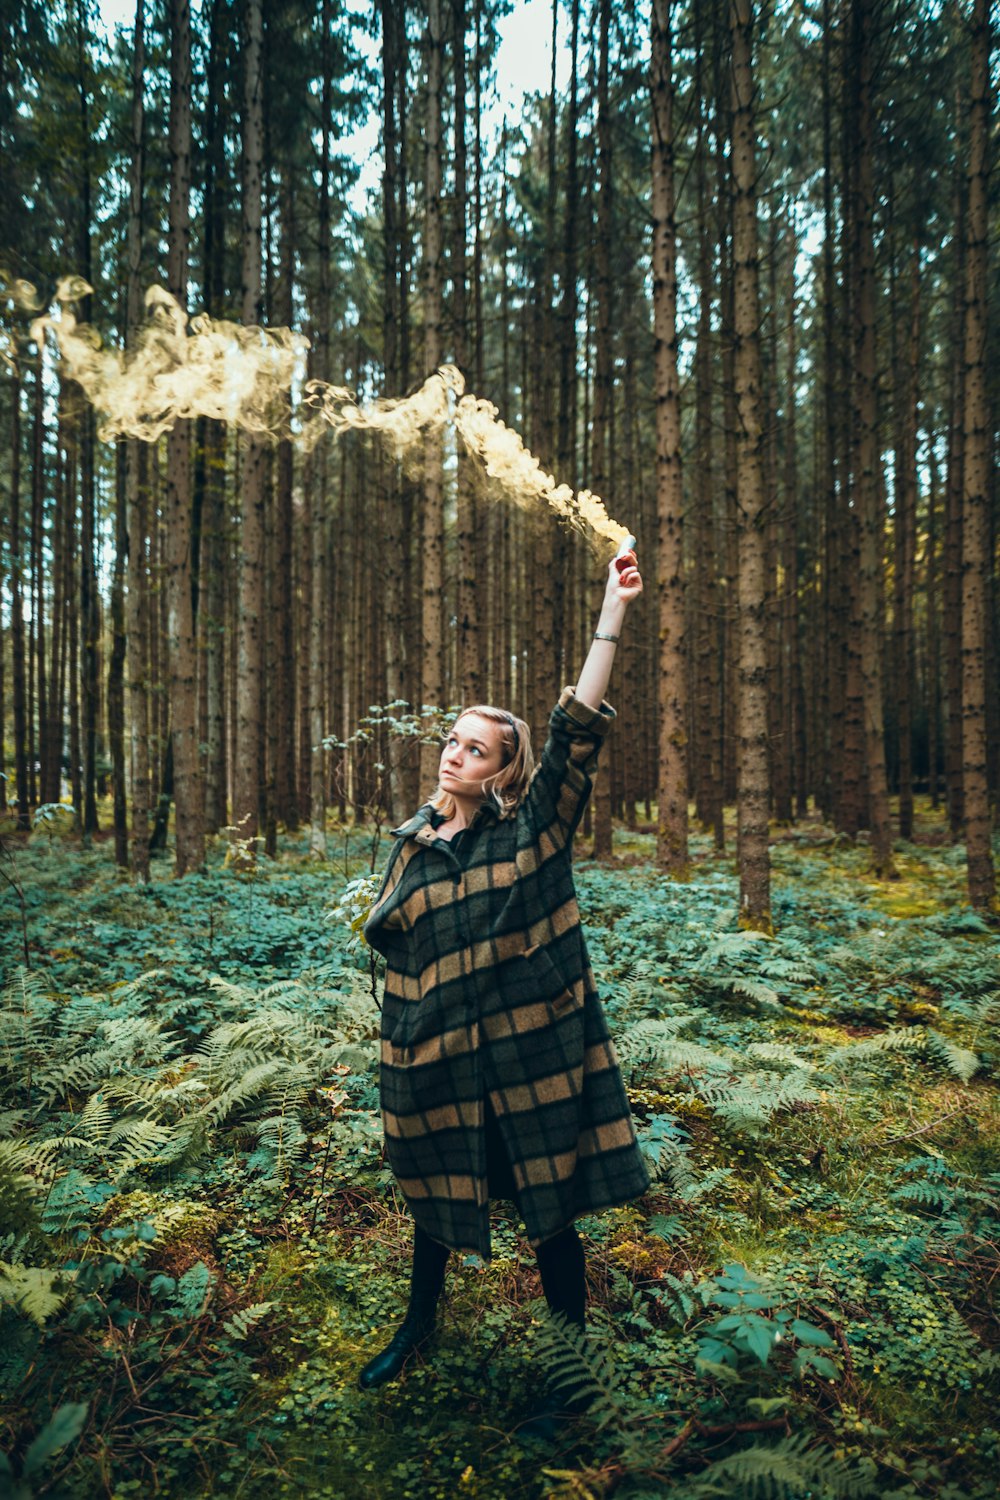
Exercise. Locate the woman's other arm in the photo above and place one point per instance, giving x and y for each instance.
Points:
(624, 585)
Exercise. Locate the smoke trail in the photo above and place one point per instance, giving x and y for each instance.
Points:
(244, 375)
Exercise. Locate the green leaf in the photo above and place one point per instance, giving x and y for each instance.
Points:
(763, 1407)
(760, 1337)
(61, 1429)
(808, 1333)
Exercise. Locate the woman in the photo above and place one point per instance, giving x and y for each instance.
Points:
(498, 1076)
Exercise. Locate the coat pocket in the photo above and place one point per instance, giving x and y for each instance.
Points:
(532, 978)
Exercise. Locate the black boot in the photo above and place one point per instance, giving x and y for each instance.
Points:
(414, 1334)
(417, 1328)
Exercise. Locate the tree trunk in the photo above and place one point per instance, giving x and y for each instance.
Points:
(793, 705)
(905, 526)
(250, 648)
(753, 790)
(20, 696)
(468, 674)
(38, 674)
(706, 760)
(976, 487)
(394, 534)
(933, 637)
(181, 655)
(867, 479)
(671, 846)
(89, 604)
(214, 549)
(432, 686)
(317, 518)
(833, 604)
(116, 672)
(604, 369)
(282, 706)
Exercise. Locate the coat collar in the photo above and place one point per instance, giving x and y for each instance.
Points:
(424, 824)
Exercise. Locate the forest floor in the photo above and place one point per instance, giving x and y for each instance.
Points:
(200, 1243)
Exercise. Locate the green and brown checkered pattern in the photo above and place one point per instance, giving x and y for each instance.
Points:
(489, 990)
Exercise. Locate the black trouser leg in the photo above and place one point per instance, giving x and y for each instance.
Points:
(563, 1267)
(429, 1261)
(426, 1281)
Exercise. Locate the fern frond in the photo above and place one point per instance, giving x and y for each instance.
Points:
(958, 1060)
(239, 994)
(790, 1467)
(581, 1372)
(780, 1053)
(12, 1121)
(133, 1142)
(702, 1186)
(132, 989)
(245, 1321)
(20, 1193)
(676, 1294)
(755, 989)
(897, 1039)
(748, 1103)
(69, 1203)
(655, 1045)
(193, 1291)
(922, 1039)
(791, 970)
(35, 1291)
(95, 1121)
(730, 946)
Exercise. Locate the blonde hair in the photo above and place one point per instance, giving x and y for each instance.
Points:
(507, 786)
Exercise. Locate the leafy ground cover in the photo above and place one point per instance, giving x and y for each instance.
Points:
(199, 1242)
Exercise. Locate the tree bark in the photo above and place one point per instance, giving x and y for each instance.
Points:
(181, 655)
(38, 707)
(753, 790)
(282, 706)
(432, 685)
(317, 503)
(603, 371)
(89, 604)
(214, 551)
(976, 486)
(393, 552)
(706, 760)
(904, 529)
(250, 643)
(867, 478)
(18, 674)
(671, 844)
(468, 673)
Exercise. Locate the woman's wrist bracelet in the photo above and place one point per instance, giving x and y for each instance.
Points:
(602, 635)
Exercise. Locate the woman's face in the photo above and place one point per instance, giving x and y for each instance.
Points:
(472, 752)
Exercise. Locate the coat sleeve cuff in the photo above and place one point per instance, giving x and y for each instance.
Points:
(581, 716)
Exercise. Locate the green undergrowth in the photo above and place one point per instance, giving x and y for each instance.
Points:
(200, 1243)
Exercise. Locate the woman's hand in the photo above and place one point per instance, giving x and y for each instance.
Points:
(624, 580)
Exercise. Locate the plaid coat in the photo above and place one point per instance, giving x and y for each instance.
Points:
(489, 990)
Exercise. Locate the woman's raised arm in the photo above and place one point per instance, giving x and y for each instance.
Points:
(624, 585)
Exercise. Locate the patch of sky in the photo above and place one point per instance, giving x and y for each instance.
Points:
(522, 69)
